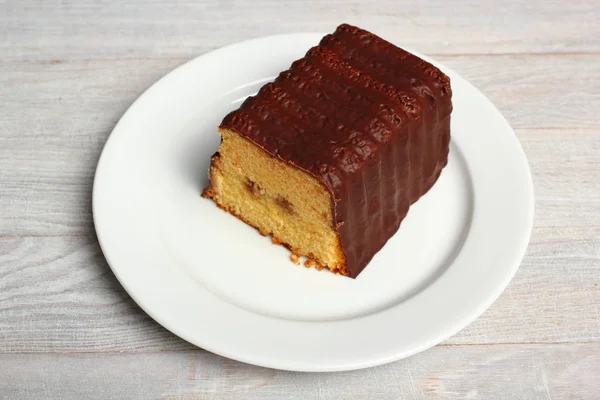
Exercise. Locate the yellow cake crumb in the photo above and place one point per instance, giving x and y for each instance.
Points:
(277, 199)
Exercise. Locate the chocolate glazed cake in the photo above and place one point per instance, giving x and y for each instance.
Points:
(328, 158)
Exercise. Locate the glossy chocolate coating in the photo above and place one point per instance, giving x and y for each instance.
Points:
(368, 119)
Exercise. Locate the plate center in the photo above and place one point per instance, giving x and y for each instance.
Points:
(240, 266)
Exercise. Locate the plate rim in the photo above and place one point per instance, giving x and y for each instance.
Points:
(448, 332)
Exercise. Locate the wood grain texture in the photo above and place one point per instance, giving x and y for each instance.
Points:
(58, 117)
(68, 71)
(458, 372)
(58, 294)
(89, 29)
(55, 122)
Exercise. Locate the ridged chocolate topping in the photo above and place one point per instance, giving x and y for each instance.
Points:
(368, 119)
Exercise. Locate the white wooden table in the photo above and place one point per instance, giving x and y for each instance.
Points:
(68, 72)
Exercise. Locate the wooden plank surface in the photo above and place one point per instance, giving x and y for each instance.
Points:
(77, 305)
(60, 115)
(457, 372)
(68, 71)
(90, 29)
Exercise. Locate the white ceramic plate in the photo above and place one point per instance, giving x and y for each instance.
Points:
(217, 283)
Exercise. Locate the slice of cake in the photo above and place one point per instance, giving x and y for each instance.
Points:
(328, 158)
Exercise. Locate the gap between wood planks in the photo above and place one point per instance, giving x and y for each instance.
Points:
(194, 347)
(433, 55)
(78, 235)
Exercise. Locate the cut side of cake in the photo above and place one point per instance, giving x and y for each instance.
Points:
(328, 158)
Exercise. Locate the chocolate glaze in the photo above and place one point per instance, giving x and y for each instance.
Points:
(366, 118)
